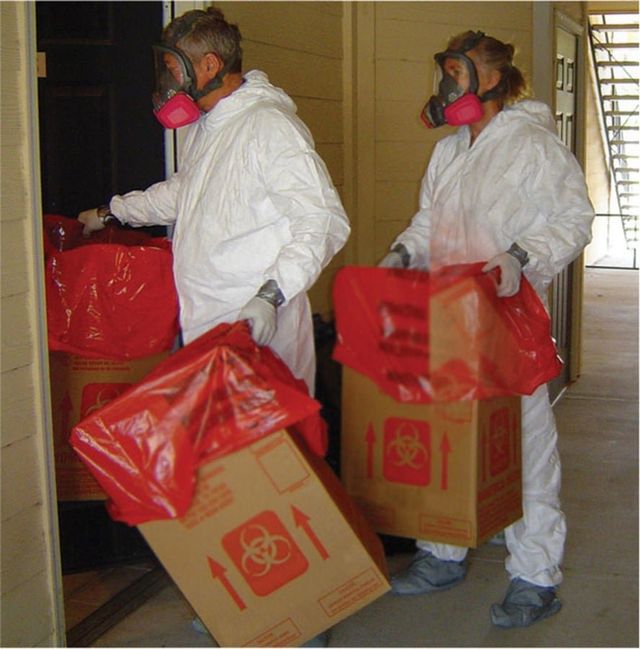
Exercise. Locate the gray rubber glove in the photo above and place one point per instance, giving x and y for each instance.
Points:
(397, 258)
(91, 220)
(510, 273)
(392, 260)
(261, 315)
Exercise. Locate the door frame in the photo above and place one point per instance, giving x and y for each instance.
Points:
(50, 502)
(578, 30)
(546, 19)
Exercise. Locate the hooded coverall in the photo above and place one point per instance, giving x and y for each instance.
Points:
(517, 183)
(251, 201)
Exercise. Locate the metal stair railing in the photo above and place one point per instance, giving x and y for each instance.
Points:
(616, 59)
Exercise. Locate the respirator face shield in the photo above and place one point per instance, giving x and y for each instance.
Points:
(454, 101)
(174, 102)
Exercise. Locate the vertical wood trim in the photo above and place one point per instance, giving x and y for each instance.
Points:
(349, 20)
(543, 52)
(365, 160)
(40, 369)
(577, 292)
(577, 300)
(576, 297)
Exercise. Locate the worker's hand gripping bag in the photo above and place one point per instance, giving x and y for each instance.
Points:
(442, 336)
(109, 296)
(216, 395)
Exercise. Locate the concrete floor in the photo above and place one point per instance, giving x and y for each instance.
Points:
(598, 423)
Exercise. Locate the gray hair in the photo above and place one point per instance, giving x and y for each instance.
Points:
(199, 32)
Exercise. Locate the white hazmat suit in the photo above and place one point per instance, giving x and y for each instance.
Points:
(251, 201)
(518, 183)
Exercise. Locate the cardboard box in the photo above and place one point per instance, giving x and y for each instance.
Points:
(272, 550)
(79, 386)
(445, 472)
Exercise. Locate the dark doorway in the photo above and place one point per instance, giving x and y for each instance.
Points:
(97, 132)
(98, 137)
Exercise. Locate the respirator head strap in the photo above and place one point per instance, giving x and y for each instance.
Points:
(217, 81)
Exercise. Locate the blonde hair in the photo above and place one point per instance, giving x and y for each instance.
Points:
(497, 55)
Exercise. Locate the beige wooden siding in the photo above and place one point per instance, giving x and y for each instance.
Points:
(405, 37)
(299, 45)
(28, 583)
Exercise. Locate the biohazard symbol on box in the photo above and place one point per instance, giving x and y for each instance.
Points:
(407, 451)
(97, 395)
(499, 441)
(265, 553)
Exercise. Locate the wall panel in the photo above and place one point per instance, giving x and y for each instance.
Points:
(28, 571)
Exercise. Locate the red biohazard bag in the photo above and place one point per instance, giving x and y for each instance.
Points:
(111, 295)
(442, 336)
(214, 396)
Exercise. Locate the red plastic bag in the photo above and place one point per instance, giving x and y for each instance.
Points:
(217, 394)
(64, 233)
(443, 336)
(109, 296)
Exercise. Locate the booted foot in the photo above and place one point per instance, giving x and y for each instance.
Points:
(524, 604)
(498, 539)
(320, 640)
(427, 574)
(197, 625)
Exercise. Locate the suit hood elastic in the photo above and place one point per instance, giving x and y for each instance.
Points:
(255, 89)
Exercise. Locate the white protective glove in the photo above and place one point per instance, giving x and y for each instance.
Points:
(510, 272)
(92, 221)
(261, 315)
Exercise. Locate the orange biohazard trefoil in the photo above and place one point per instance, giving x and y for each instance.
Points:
(98, 395)
(407, 451)
(265, 553)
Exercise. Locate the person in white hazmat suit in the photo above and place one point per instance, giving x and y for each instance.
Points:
(256, 215)
(502, 189)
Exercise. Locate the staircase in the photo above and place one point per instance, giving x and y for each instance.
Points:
(616, 59)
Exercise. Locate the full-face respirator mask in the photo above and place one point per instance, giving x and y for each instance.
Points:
(452, 104)
(175, 97)
(176, 92)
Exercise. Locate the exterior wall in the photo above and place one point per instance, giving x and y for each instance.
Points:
(396, 65)
(596, 171)
(573, 10)
(299, 45)
(30, 579)
(594, 6)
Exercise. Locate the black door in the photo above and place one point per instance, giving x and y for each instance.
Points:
(98, 134)
(98, 138)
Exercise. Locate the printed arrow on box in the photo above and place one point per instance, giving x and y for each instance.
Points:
(370, 439)
(445, 449)
(302, 520)
(218, 572)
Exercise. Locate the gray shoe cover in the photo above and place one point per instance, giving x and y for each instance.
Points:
(498, 539)
(524, 604)
(320, 640)
(427, 574)
(197, 625)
